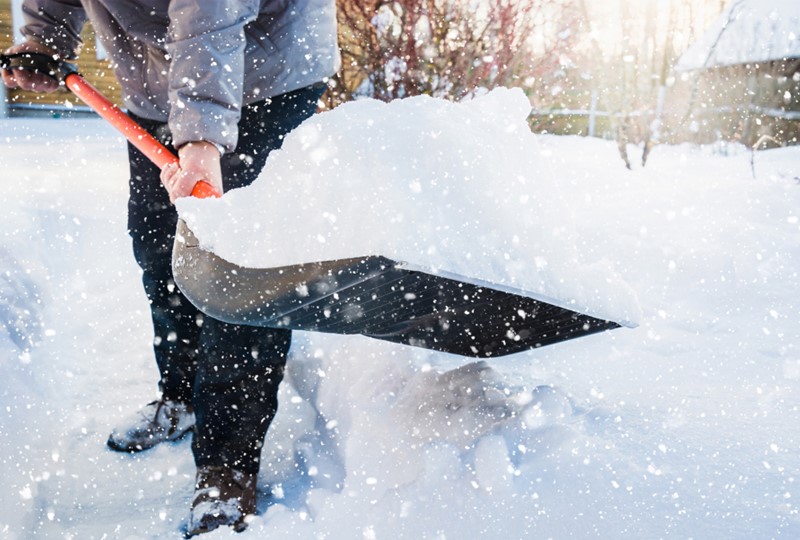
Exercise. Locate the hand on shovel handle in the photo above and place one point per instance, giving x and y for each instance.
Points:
(29, 79)
(197, 170)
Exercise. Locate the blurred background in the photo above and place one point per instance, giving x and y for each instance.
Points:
(640, 72)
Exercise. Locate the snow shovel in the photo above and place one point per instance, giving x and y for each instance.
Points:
(372, 295)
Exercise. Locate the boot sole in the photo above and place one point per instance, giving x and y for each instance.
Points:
(238, 526)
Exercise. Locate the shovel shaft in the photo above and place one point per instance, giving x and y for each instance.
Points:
(133, 132)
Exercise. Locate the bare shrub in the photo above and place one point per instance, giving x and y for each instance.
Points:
(448, 48)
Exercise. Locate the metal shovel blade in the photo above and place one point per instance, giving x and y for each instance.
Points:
(376, 297)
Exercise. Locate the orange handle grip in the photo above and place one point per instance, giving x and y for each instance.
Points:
(133, 132)
(204, 190)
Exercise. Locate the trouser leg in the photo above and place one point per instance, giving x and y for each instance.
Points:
(233, 371)
(236, 392)
(176, 322)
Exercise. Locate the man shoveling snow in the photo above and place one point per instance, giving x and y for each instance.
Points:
(198, 77)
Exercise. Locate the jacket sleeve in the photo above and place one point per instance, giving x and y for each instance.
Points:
(56, 23)
(206, 44)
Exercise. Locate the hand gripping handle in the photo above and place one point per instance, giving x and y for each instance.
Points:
(41, 63)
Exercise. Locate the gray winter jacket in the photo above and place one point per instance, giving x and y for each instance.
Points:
(195, 63)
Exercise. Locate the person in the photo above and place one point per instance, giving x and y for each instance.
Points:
(221, 83)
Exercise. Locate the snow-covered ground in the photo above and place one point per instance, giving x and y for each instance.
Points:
(685, 426)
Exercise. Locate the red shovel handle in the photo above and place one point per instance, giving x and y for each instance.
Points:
(138, 137)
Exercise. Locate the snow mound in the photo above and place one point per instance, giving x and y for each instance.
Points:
(461, 188)
(401, 450)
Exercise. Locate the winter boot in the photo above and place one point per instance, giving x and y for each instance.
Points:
(159, 421)
(222, 496)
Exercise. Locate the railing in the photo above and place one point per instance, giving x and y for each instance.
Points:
(51, 110)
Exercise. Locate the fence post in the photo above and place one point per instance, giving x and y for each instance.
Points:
(592, 113)
(3, 101)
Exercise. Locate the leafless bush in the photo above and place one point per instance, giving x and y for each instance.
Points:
(447, 48)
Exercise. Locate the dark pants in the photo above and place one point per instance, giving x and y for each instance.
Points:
(229, 373)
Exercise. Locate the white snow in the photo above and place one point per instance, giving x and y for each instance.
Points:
(686, 426)
(748, 32)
